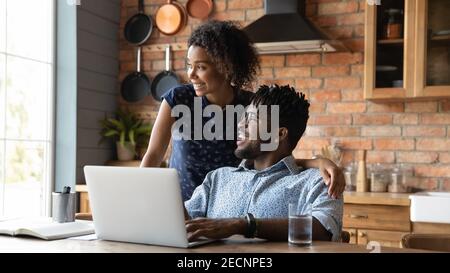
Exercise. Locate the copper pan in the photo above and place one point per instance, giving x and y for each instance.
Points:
(183, 10)
(199, 9)
(170, 18)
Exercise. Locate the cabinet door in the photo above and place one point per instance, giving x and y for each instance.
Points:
(432, 72)
(430, 228)
(389, 50)
(84, 203)
(378, 217)
(385, 238)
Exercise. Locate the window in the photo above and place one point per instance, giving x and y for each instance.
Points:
(26, 106)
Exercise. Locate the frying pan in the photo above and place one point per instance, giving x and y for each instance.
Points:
(136, 85)
(199, 9)
(184, 12)
(139, 27)
(171, 18)
(164, 80)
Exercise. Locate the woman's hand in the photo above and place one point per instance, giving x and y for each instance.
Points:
(333, 177)
(331, 173)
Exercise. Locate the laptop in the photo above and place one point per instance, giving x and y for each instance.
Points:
(138, 205)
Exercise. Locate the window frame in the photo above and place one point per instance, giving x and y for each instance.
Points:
(48, 143)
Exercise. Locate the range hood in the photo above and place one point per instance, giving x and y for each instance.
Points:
(285, 29)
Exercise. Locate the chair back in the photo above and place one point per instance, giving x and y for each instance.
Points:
(345, 236)
(436, 242)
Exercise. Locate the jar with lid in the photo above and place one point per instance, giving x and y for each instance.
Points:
(393, 28)
(350, 176)
(399, 179)
(379, 178)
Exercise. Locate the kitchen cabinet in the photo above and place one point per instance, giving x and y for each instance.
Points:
(383, 237)
(432, 72)
(121, 163)
(430, 228)
(377, 217)
(83, 199)
(407, 50)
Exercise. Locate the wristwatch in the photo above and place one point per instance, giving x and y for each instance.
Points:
(252, 229)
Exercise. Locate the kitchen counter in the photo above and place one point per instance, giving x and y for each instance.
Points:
(374, 198)
(81, 188)
(371, 198)
(377, 198)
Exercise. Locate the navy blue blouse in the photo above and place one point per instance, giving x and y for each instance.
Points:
(195, 158)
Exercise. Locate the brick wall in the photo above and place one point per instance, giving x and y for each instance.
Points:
(415, 133)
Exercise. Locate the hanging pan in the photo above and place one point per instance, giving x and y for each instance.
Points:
(139, 27)
(171, 18)
(184, 12)
(164, 80)
(136, 85)
(199, 9)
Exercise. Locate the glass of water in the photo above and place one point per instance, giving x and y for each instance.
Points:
(300, 224)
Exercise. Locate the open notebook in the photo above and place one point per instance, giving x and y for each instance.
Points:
(45, 228)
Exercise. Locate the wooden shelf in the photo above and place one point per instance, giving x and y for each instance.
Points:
(162, 47)
(81, 188)
(377, 198)
(132, 163)
(391, 42)
(441, 38)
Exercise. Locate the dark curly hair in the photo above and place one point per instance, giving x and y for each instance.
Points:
(294, 108)
(230, 49)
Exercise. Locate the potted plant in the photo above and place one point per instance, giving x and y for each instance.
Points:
(126, 129)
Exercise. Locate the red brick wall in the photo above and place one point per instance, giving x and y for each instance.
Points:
(416, 133)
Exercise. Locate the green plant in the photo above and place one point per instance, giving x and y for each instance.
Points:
(125, 128)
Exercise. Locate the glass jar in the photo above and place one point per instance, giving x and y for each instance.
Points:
(350, 176)
(379, 178)
(393, 28)
(399, 179)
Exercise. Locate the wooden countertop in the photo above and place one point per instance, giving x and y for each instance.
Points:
(235, 244)
(81, 188)
(377, 198)
(372, 198)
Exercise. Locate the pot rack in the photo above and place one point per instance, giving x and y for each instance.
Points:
(162, 47)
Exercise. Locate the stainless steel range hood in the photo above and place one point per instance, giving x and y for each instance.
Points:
(285, 29)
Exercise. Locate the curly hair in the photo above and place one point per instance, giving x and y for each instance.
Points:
(294, 108)
(230, 49)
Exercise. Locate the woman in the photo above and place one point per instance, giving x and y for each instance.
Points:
(220, 61)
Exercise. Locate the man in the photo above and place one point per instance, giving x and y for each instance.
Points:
(253, 199)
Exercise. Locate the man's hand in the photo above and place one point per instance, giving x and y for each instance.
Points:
(214, 228)
(333, 177)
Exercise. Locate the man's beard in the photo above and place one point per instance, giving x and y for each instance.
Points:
(251, 151)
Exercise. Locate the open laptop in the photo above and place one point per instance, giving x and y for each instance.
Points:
(137, 205)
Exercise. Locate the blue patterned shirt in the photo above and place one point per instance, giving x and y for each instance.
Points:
(233, 192)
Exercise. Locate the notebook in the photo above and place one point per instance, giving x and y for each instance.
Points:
(44, 228)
